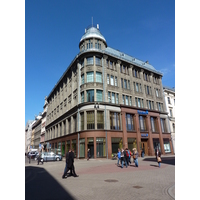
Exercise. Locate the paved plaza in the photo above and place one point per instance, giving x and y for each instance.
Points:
(102, 179)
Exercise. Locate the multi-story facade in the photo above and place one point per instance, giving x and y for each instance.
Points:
(169, 95)
(43, 130)
(28, 135)
(37, 133)
(106, 100)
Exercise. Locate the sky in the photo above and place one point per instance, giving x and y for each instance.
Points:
(143, 29)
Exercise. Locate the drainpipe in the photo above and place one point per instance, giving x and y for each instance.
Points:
(105, 109)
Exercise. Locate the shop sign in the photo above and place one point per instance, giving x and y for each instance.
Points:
(142, 112)
(144, 135)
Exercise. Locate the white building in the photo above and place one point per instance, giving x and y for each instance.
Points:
(169, 94)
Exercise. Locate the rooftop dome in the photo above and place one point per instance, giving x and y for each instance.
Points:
(93, 32)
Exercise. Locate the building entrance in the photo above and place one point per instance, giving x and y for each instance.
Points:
(91, 146)
(144, 146)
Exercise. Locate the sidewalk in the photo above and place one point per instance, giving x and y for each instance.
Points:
(103, 179)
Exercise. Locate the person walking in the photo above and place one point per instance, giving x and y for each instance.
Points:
(135, 156)
(127, 156)
(65, 170)
(39, 158)
(122, 158)
(88, 154)
(118, 156)
(159, 159)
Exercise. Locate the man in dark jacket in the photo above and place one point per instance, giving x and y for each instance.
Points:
(65, 170)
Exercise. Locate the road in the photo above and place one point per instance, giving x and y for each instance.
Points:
(101, 179)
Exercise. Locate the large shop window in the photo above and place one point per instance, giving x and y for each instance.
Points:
(154, 126)
(99, 95)
(116, 143)
(82, 121)
(100, 120)
(90, 61)
(142, 120)
(82, 97)
(97, 61)
(130, 125)
(59, 149)
(74, 147)
(156, 143)
(114, 121)
(99, 77)
(63, 149)
(163, 125)
(166, 145)
(82, 148)
(67, 145)
(90, 119)
(132, 143)
(90, 77)
(90, 95)
(82, 79)
(100, 147)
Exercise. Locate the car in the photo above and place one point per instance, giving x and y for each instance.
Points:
(50, 156)
(32, 154)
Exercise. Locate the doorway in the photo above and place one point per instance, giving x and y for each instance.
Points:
(91, 146)
(144, 146)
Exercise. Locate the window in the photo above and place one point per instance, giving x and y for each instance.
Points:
(154, 127)
(129, 85)
(130, 101)
(111, 65)
(90, 95)
(97, 61)
(122, 82)
(170, 111)
(114, 121)
(69, 125)
(82, 121)
(142, 121)
(100, 120)
(150, 104)
(173, 126)
(89, 45)
(82, 97)
(116, 81)
(166, 145)
(139, 102)
(108, 79)
(112, 80)
(126, 100)
(130, 125)
(99, 96)
(163, 125)
(82, 79)
(117, 98)
(97, 45)
(136, 73)
(123, 98)
(125, 83)
(113, 97)
(160, 106)
(90, 119)
(109, 99)
(148, 90)
(157, 92)
(168, 99)
(90, 61)
(99, 77)
(90, 77)
(137, 87)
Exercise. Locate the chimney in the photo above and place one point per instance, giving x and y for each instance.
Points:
(98, 26)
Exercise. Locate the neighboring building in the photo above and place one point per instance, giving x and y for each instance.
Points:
(107, 100)
(169, 94)
(28, 131)
(43, 130)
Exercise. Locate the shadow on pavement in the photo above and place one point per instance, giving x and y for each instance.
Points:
(39, 184)
(165, 160)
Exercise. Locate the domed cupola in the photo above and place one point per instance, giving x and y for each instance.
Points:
(92, 39)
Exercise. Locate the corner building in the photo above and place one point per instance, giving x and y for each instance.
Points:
(106, 100)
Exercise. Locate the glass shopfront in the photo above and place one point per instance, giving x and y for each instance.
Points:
(90, 146)
(55, 149)
(156, 143)
(59, 149)
(132, 143)
(100, 147)
(67, 145)
(63, 149)
(167, 148)
(82, 148)
(74, 147)
(116, 143)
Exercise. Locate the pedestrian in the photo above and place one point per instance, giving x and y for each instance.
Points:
(29, 157)
(65, 170)
(118, 156)
(135, 156)
(122, 158)
(70, 165)
(88, 154)
(156, 152)
(127, 156)
(159, 159)
(39, 158)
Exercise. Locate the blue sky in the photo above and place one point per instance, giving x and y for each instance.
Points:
(143, 29)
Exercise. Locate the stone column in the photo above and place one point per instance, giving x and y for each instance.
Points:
(150, 148)
(137, 127)
(160, 136)
(125, 141)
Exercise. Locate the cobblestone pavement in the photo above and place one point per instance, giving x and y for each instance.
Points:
(103, 179)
